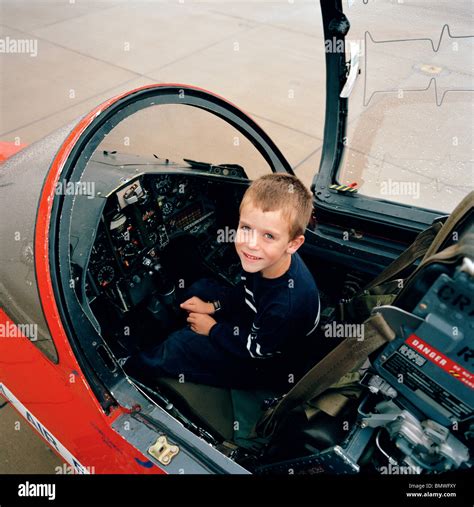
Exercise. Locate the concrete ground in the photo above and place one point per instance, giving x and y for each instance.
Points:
(410, 112)
(22, 451)
(266, 57)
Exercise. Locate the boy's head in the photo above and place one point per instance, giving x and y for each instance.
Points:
(274, 213)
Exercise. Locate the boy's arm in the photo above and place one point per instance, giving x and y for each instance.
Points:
(230, 338)
(208, 296)
(260, 341)
(227, 301)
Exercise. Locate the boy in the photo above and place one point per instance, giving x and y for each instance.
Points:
(256, 334)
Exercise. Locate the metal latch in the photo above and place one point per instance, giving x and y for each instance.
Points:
(163, 451)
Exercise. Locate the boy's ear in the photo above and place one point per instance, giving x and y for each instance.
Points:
(294, 244)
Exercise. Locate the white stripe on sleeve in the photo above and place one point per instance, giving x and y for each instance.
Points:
(251, 305)
(316, 322)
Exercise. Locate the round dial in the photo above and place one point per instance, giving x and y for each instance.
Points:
(167, 208)
(164, 185)
(105, 275)
(129, 250)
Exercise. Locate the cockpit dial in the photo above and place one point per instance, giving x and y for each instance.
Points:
(105, 275)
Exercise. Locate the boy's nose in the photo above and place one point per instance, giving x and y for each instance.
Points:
(252, 240)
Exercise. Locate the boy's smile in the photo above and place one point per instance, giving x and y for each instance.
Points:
(263, 241)
(251, 258)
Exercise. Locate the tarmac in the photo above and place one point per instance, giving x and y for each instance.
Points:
(267, 57)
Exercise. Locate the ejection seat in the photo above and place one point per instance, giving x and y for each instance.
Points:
(211, 406)
(218, 409)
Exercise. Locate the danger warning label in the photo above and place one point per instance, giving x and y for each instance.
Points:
(438, 358)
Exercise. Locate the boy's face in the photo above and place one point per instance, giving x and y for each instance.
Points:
(263, 241)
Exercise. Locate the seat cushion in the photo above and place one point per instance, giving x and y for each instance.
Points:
(212, 406)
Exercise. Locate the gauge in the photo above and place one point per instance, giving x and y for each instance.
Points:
(152, 237)
(129, 250)
(164, 185)
(105, 275)
(167, 208)
(100, 253)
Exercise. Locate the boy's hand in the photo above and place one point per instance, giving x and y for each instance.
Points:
(201, 323)
(196, 305)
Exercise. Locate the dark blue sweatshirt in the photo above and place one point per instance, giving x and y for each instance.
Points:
(265, 318)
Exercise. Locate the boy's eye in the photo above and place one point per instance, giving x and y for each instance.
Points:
(245, 227)
(269, 236)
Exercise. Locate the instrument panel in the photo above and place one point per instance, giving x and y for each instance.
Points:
(139, 222)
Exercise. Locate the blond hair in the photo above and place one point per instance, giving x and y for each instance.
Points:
(279, 191)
